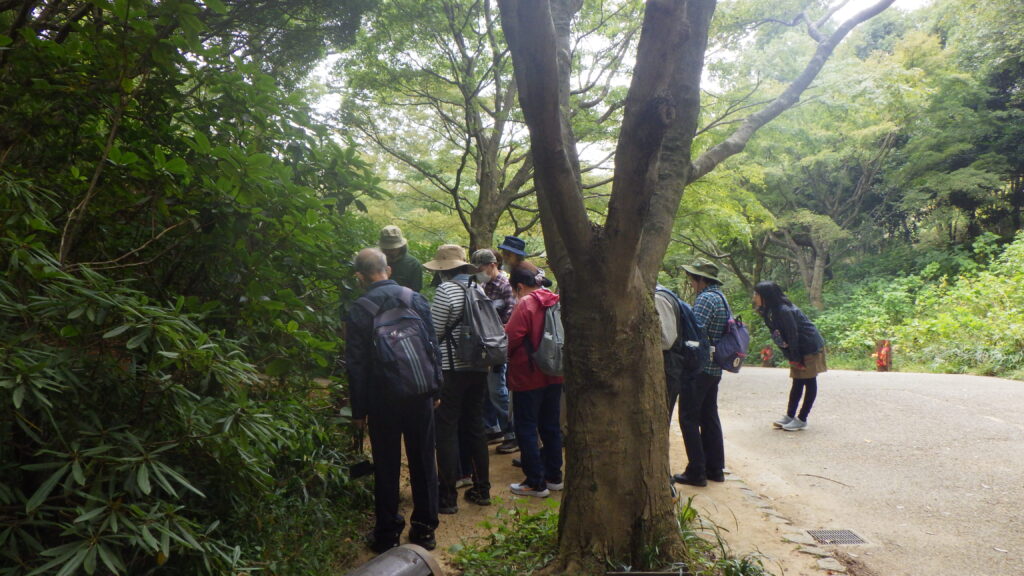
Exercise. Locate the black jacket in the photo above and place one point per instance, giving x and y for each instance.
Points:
(359, 343)
(793, 332)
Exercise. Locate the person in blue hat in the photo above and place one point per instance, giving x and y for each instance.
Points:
(513, 252)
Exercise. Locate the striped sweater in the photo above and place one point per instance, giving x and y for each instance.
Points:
(446, 312)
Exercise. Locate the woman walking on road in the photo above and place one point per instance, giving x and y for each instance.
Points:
(800, 343)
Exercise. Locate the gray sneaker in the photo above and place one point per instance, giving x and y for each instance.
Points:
(782, 421)
(795, 424)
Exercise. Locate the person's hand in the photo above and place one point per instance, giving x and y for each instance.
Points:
(437, 402)
(797, 365)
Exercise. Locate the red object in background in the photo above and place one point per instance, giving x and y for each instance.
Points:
(766, 356)
(883, 358)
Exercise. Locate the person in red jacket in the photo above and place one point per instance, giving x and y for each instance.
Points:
(536, 396)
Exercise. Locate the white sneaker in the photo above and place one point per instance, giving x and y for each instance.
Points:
(782, 421)
(794, 425)
(524, 489)
(556, 486)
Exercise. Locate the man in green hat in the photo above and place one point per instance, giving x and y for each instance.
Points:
(698, 399)
(405, 268)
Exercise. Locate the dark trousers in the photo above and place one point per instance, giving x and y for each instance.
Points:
(412, 420)
(702, 430)
(537, 415)
(462, 404)
(806, 388)
(673, 379)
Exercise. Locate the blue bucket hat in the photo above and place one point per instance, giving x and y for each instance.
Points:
(514, 245)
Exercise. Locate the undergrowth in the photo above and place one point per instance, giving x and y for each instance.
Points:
(523, 543)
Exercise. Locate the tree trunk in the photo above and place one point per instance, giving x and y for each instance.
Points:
(617, 504)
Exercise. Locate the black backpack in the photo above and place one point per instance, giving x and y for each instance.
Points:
(691, 344)
(405, 359)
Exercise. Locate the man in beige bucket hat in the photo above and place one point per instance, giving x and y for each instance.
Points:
(405, 268)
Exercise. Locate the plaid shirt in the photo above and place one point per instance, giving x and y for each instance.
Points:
(500, 292)
(712, 315)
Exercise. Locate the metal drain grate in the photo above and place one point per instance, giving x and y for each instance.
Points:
(836, 537)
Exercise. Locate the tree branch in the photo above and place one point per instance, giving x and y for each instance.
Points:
(736, 142)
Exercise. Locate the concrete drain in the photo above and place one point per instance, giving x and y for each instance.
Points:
(836, 537)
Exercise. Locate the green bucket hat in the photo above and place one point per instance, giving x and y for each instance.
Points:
(704, 269)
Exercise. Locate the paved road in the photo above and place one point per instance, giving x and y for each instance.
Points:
(929, 469)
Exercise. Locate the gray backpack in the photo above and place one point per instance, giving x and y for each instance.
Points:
(548, 355)
(482, 342)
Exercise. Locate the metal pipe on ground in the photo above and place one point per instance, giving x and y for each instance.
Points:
(405, 560)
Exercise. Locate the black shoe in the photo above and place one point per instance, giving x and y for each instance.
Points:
(685, 478)
(380, 545)
(716, 475)
(422, 537)
(451, 508)
(517, 462)
(477, 496)
(495, 437)
(507, 447)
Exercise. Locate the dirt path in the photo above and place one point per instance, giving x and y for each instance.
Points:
(926, 468)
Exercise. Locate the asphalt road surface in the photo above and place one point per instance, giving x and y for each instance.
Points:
(927, 468)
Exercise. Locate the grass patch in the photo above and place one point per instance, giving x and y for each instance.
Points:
(520, 543)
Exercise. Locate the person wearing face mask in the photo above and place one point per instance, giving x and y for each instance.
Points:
(498, 289)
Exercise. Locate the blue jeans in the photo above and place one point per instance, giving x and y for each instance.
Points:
(496, 412)
(537, 414)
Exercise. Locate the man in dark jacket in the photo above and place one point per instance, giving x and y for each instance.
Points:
(405, 268)
(389, 420)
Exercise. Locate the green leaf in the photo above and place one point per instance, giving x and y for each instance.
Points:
(117, 331)
(77, 473)
(138, 339)
(278, 367)
(5, 40)
(111, 560)
(19, 396)
(86, 516)
(217, 6)
(142, 479)
(43, 492)
(69, 331)
(148, 537)
(176, 166)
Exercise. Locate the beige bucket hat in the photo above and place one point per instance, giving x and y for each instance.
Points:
(448, 257)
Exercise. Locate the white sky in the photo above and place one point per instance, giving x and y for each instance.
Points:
(855, 6)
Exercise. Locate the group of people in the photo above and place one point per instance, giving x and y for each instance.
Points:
(446, 432)
(790, 329)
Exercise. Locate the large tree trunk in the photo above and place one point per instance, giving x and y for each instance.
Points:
(618, 503)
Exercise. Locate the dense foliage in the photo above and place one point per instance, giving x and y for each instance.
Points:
(174, 230)
(961, 313)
